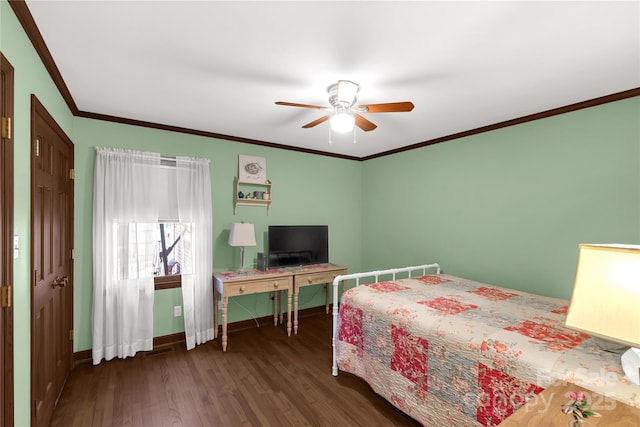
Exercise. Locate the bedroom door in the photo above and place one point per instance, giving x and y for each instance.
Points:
(51, 261)
(6, 243)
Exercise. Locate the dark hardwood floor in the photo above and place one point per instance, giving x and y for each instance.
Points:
(264, 379)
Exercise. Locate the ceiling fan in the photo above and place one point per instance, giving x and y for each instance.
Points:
(343, 114)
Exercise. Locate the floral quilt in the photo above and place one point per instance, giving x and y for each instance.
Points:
(450, 351)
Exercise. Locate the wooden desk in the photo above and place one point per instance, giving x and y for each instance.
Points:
(291, 279)
(546, 410)
(314, 275)
(228, 284)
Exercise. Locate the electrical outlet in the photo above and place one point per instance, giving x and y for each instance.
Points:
(177, 311)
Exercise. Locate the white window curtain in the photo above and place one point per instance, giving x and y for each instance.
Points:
(194, 207)
(128, 205)
(123, 288)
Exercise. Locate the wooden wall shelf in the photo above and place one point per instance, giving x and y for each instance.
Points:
(247, 188)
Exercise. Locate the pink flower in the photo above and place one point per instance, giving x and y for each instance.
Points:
(578, 396)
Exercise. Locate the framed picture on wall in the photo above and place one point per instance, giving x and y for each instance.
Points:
(251, 168)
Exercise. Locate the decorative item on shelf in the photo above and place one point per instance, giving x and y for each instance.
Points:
(240, 195)
(242, 234)
(606, 299)
(258, 194)
(266, 195)
(578, 407)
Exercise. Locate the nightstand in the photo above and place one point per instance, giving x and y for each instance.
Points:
(546, 410)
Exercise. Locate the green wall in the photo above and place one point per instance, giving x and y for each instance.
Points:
(307, 189)
(509, 207)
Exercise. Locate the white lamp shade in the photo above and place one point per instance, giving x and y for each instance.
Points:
(242, 234)
(606, 294)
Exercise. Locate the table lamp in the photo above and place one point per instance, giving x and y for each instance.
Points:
(606, 299)
(242, 234)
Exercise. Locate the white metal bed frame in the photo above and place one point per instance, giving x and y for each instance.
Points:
(357, 276)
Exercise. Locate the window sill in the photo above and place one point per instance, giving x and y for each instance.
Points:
(167, 282)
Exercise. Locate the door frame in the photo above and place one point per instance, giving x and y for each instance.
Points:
(6, 243)
(37, 109)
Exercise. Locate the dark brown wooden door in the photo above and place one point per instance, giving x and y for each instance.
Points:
(6, 243)
(52, 264)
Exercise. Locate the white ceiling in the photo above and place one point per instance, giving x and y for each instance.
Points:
(219, 66)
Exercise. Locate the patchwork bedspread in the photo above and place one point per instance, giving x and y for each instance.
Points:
(450, 351)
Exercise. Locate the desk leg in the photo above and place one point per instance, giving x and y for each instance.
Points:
(281, 307)
(225, 300)
(326, 297)
(289, 313)
(275, 308)
(215, 314)
(296, 290)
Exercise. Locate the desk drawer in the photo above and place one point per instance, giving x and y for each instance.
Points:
(256, 286)
(316, 278)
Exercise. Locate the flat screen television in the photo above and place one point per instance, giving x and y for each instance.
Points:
(293, 245)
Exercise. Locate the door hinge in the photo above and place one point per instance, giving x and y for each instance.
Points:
(72, 174)
(6, 296)
(70, 334)
(6, 127)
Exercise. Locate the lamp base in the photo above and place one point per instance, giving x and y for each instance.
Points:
(631, 365)
(241, 269)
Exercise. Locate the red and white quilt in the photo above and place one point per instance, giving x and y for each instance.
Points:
(450, 351)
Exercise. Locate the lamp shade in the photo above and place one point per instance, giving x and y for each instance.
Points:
(606, 293)
(242, 234)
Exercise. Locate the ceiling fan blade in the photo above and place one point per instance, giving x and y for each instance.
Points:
(390, 107)
(316, 122)
(293, 104)
(364, 124)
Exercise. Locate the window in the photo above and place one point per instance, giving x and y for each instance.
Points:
(169, 253)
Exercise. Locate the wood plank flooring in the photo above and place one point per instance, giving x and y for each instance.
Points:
(264, 379)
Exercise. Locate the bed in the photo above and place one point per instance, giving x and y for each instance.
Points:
(451, 351)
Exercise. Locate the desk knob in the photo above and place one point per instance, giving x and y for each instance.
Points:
(310, 280)
(275, 285)
(242, 288)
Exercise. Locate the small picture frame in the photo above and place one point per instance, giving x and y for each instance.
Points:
(252, 169)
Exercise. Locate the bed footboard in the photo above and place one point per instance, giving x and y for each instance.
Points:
(377, 276)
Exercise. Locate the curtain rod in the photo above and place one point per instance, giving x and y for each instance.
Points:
(150, 155)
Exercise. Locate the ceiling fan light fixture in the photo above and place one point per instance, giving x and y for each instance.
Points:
(342, 122)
